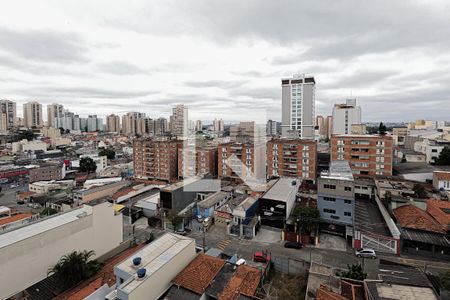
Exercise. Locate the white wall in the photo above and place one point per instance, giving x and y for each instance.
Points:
(26, 262)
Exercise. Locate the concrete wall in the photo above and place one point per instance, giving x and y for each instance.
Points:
(26, 262)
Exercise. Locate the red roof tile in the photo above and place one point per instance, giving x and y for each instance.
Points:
(200, 272)
(410, 216)
(440, 210)
(245, 281)
(15, 218)
(122, 192)
(442, 175)
(325, 293)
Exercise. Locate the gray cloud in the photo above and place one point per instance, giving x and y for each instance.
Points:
(121, 68)
(215, 83)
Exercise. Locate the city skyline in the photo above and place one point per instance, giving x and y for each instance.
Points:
(87, 65)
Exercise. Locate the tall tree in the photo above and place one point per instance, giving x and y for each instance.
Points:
(74, 267)
(108, 152)
(27, 135)
(444, 157)
(353, 272)
(308, 217)
(382, 129)
(87, 164)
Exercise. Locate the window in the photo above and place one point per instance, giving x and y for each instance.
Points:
(329, 199)
(347, 214)
(329, 211)
(347, 189)
(348, 201)
(329, 186)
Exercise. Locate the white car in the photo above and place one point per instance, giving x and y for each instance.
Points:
(366, 253)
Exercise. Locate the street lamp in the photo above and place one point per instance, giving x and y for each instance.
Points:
(201, 220)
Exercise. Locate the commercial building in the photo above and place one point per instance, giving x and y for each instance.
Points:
(368, 155)
(156, 159)
(160, 262)
(54, 111)
(292, 158)
(113, 123)
(8, 112)
(179, 121)
(345, 115)
(46, 171)
(298, 107)
(27, 252)
(32, 114)
(276, 205)
(336, 195)
(197, 162)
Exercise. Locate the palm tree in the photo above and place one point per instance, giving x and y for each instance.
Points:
(74, 267)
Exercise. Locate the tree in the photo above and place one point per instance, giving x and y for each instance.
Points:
(444, 157)
(48, 211)
(420, 191)
(382, 129)
(444, 279)
(87, 164)
(353, 272)
(108, 152)
(27, 135)
(175, 219)
(61, 130)
(74, 267)
(308, 217)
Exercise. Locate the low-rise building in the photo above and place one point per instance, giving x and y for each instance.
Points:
(148, 273)
(276, 205)
(41, 244)
(46, 172)
(432, 148)
(97, 192)
(336, 195)
(441, 180)
(25, 146)
(212, 202)
(44, 187)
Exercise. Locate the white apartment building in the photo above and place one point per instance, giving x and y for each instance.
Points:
(8, 113)
(27, 252)
(32, 114)
(298, 107)
(218, 125)
(345, 115)
(431, 148)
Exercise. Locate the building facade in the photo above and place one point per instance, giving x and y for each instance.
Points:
(241, 160)
(8, 113)
(179, 121)
(271, 128)
(345, 115)
(133, 123)
(368, 155)
(113, 123)
(54, 111)
(298, 107)
(201, 162)
(292, 158)
(46, 172)
(156, 159)
(32, 114)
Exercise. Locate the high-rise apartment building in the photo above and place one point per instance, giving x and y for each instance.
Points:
(112, 123)
(292, 158)
(218, 125)
(54, 111)
(199, 163)
(324, 126)
(32, 114)
(155, 159)
(198, 125)
(179, 121)
(8, 113)
(345, 115)
(368, 155)
(298, 107)
(156, 127)
(94, 123)
(133, 123)
(271, 128)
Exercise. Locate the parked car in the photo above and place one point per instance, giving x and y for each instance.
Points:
(261, 257)
(293, 245)
(366, 253)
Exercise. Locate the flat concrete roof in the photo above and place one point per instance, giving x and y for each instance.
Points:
(283, 189)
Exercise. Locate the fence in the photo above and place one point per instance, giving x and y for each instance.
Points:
(288, 265)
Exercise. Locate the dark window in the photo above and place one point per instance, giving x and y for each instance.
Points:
(348, 189)
(330, 211)
(329, 199)
(329, 186)
(347, 214)
(348, 201)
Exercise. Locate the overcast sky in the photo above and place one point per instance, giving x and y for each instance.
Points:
(226, 58)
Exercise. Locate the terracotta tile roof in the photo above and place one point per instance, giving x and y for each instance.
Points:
(325, 293)
(440, 175)
(25, 195)
(106, 275)
(122, 192)
(15, 218)
(245, 281)
(199, 273)
(410, 216)
(440, 210)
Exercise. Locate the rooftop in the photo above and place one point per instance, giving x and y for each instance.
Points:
(244, 281)
(379, 290)
(440, 210)
(283, 189)
(199, 274)
(154, 256)
(412, 217)
(339, 169)
(15, 218)
(442, 175)
(418, 167)
(213, 199)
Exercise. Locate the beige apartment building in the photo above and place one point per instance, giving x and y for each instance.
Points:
(133, 123)
(54, 111)
(156, 159)
(368, 155)
(179, 121)
(113, 123)
(292, 158)
(32, 114)
(7, 115)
